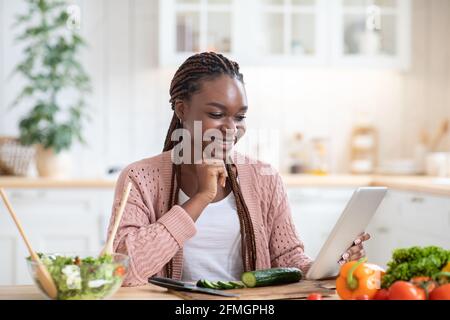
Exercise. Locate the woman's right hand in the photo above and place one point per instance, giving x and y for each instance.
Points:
(209, 174)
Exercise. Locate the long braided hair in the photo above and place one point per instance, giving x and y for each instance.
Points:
(186, 81)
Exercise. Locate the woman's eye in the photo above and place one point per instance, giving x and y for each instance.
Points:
(215, 115)
(220, 115)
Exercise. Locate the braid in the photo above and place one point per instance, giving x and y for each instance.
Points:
(186, 81)
(247, 231)
(174, 189)
(174, 124)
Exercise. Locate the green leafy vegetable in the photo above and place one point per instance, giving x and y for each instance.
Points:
(412, 262)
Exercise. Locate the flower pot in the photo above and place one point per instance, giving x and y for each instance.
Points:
(53, 165)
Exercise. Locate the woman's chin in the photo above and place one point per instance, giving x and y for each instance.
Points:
(218, 150)
(224, 152)
(227, 148)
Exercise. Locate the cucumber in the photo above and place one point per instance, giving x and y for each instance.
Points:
(216, 285)
(200, 283)
(225, 285)
(271, 277)
(222, 285)
(237, 284)
(209, 284)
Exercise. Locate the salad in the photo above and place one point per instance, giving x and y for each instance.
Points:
(84, 278)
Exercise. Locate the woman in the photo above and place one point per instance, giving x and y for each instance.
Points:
(190, 218)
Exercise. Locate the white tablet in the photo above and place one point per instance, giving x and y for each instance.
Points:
(352, 222)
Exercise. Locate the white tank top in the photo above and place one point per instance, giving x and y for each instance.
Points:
(214, 253)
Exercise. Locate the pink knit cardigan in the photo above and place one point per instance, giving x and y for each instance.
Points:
(151, 233)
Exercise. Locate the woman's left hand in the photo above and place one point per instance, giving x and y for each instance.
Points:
(356, 251)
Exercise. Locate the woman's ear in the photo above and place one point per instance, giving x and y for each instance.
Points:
(181, 109)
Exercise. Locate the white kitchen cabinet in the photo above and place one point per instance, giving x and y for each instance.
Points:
(408, 219)
(253, 32)
(284, 32)
(188, 26)
(404, 219)
(372, 33)
(62, 220)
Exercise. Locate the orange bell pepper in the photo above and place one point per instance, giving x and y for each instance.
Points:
(446, 268)
(357, 278)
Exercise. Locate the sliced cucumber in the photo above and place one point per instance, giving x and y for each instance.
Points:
(221, 285)
(216, 285)
(270, 277)
(209, 284)
(225, 285)
(237, 284)
(200, 283)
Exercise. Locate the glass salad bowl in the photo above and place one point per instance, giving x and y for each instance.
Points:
(82, 277)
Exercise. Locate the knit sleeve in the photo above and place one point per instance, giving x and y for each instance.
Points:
(286, 248)
(149, 243)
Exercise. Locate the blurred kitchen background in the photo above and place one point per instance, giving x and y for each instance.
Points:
(339, 91)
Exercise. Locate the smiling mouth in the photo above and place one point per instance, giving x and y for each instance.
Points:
(224, 144)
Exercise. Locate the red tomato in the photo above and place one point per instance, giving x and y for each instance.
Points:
(441, 293)
(382, 294)
(424, 283)
(120, 271)
(363, 297)
(315, 296)
(402, 290)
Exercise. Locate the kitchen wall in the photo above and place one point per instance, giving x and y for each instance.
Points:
(130, 108)
(426, 88)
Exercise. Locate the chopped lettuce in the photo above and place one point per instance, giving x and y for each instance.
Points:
(88, 278)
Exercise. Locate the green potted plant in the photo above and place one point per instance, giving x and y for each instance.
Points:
(56, 83)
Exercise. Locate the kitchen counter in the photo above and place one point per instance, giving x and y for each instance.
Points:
(43, 183)
(426, 184)
(147, 292)
(432, 185)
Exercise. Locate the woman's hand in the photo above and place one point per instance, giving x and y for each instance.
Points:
(209, 174)
(356, 251)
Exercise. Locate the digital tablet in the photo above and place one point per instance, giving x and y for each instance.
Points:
(353, 221)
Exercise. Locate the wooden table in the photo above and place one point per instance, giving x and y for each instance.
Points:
(152, 292)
